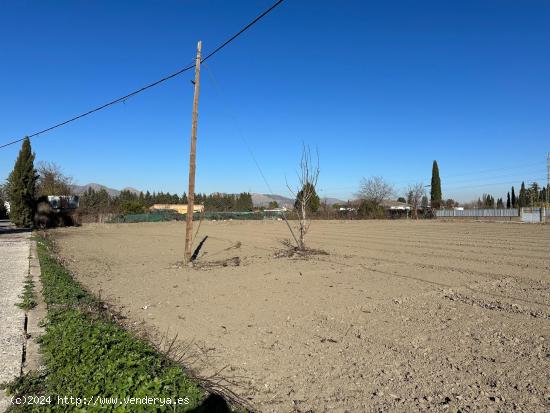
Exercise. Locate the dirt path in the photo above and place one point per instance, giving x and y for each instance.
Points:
(403, 316)
(14, 266)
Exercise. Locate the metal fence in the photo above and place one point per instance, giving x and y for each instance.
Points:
(534, 214)
(443, 213)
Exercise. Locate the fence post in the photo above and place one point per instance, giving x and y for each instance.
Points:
(542, 214)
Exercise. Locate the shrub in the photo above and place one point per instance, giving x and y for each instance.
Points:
(131, 207)
(370, 210)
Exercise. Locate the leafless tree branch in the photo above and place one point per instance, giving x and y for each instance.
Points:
(308, 175)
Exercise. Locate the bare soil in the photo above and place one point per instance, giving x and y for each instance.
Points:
(399, 316)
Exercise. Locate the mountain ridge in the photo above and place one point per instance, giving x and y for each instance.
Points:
(80, 189)
(258, 200)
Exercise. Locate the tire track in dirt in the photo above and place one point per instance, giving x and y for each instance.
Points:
(476, 249)
(527, 266)
(434, 283)
(429, 253)
(420, 230)
(497, 305)
(414, 242)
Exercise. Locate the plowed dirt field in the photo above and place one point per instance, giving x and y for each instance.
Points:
(398, 315)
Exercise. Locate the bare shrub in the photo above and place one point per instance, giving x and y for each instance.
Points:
(52, 180)
(308, 176)
(415, 193)
(291, 251)
(374, 190)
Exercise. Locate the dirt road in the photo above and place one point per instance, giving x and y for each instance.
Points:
(399, 316)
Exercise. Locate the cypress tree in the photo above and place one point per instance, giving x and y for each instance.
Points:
(314, 201)
(435, 191)
(522, 201)
(513, 198)
(508, 203)
(22, 187)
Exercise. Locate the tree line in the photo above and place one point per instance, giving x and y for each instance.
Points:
(533, 196)
(26, 186)
(128, 202)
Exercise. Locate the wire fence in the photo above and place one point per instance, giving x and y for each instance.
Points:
(210, 216)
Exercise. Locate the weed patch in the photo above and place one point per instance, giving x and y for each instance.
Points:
(28, 298)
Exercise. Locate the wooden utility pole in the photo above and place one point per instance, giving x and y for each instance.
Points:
(192, 160)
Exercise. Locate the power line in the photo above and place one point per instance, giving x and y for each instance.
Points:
(503, 168)
(113, 102)
(217, 49)
(450, 183)
(150, 85)
(491, 184)
(238, 128)
(522, 169)
(444, 180)
(508, 175)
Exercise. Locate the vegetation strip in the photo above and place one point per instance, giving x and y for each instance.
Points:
(88, 356)
(28, 298)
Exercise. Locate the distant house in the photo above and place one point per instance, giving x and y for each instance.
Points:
(396, 209)
(7, 205)
(179, 208)
(396, 205)
(283, 209)
(347, 209)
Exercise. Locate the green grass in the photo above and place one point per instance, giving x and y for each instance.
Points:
(28, 298)
(87, 355)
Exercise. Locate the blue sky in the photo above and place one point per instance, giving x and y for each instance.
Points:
(380, 88)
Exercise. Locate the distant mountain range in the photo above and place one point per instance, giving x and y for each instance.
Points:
(259, 200)
(80, 189)
(263, 200)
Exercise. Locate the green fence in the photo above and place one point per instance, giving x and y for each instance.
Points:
(153, 217)
(211, 216)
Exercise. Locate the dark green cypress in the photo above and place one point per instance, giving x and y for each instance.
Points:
(22, 187)
(435, 191)
(314, 201)
(522, 201)
(514, 201)
(508, 202)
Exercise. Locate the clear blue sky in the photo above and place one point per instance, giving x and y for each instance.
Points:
(380, 88)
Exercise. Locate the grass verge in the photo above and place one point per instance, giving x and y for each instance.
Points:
(28, 298)
(88, 356)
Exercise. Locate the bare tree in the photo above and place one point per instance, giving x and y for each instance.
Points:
(415, 193)
(308, 176)
(374, 190)
(52, 181)
(425, 202)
